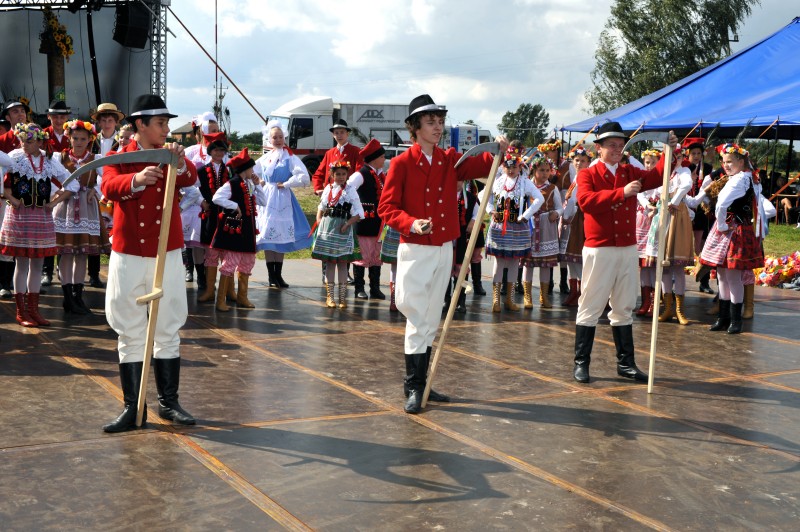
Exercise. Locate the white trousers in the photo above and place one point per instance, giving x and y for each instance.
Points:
(422, 276)
(610, 275)
(131, 276)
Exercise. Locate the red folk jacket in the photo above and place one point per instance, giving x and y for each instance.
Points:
(350, 153)
(609, 219)
(55, 144)
(415, 189)
(9, 141)
(137, 215)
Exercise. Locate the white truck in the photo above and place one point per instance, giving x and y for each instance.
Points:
(309, 119)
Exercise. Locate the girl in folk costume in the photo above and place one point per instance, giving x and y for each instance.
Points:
(368, 182)
(645, 211)
(390, 240)
(734, 245)
(212, 177)
(334, 241)
(544, 234)
(282, 225)
(205, 128)
(79, 228)
(191, 212)
(572, 253)
(679, 250)
(33, 189)
(509, 235)
(236, 231)
(694, 155)
(562, 177)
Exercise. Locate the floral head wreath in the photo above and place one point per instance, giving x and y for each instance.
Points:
(581, 151)
(540, 158)
(76, 124)
(339, 163)
(722, 149)
(512, 158)
(30, 132)
(549, 146)
(651, 153)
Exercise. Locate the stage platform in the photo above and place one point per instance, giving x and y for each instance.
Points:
(301, 426)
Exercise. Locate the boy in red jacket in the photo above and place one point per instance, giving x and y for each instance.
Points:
(419, 200)
(607, 196)
(137, 191)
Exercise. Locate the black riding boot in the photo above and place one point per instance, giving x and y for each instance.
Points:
(188, 264)
(563, 285)
(735, 318)
(168, 373)
(584, 340)
(626, 365)
(200, 276)
(552, 282)
(448, 296)
(504, 283)
(77, 297)
(518, 288)
(279, 275)
(461, 305)
(704, 283)
(723, 317)
(414, 382)
(130, 375)
(69, 300)
(375, 283)
(358, 277)
(475, 271)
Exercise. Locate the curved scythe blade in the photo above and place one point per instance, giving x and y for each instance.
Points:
(655, 136)
(161, 156)
(491, 147)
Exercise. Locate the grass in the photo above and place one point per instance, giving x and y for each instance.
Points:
(782, 240)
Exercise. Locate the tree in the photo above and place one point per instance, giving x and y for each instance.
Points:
(528, 124)
(649, 44)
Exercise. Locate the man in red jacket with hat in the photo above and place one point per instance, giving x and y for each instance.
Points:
(419, 200)
(137, 191)
(607, 196)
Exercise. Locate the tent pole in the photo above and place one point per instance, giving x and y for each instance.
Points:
(774, 161)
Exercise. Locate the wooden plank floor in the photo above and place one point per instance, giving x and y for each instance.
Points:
(300, 423)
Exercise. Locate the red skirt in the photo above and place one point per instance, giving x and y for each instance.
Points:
(28, 232)
(737, 249)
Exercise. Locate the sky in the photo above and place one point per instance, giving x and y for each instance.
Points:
(477, 57)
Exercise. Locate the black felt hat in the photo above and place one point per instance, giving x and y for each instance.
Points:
(58, 107)
(149, 105)
(14, 103)
(340, 124)
(423, 104)
(610, 130)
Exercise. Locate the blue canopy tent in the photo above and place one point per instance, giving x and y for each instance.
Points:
(759, 85)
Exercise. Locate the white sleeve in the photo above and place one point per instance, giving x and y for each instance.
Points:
(222, 197)
(324, 197)
(5, 160)
(570, 207)
(643, 200)
(261, 195)
(684, 185)
(559, 208)
(537, 199)
(62, 174)
(356, 209)
(635, 162)
(355, 180)
(475, 210)
(299, 174)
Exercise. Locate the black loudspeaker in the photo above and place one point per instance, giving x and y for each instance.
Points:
(132, 24)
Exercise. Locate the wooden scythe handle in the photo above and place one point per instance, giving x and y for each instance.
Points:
(154, 297)
(473, 239)
(662, 226)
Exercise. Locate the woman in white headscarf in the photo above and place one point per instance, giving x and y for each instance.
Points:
(282, 225)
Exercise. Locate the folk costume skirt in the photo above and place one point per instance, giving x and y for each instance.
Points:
(738, 248)
(391, 240)
(78, 226)
(28, 232)
(330, 244)
(544, 243)
(577, 238)
(516, 243)
(679, 240)
(643, 224)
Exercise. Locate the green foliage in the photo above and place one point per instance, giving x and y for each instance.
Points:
(649, 44)
(762, 153)
(528, 124)
(251, 140)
